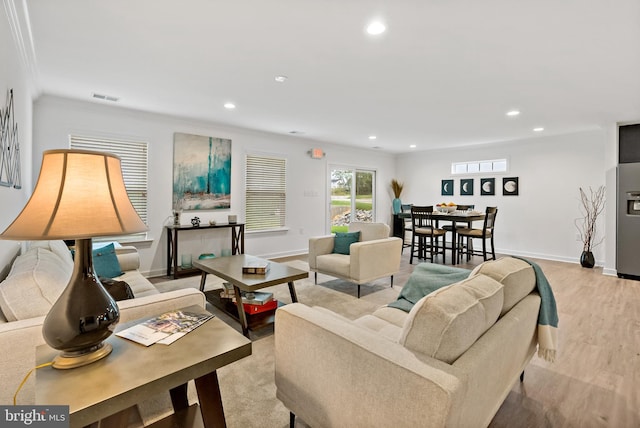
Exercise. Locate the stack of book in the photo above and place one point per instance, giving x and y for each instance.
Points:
(257, 302)
(253, 302)
(256, 268)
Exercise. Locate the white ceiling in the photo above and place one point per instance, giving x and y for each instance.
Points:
(444, 74)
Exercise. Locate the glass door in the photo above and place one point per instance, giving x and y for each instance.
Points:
(351, 197)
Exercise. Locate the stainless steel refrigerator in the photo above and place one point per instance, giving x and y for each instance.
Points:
(628, 221)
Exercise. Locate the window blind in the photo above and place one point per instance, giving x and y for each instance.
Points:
(134, 161)
(265, 198)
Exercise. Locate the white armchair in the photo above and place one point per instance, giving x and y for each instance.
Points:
(376, 255)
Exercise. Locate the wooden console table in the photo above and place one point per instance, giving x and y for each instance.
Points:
(237, 245)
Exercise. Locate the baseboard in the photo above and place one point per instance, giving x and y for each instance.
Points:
(555, 258)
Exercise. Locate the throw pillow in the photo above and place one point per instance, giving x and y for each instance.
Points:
(105, 262)
(119, 290)
(343, 241)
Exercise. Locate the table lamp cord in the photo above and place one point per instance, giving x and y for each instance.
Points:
(15, 396)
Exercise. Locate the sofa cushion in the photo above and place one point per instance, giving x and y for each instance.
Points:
(105, 262)
(36, 280)
(343, 240)
(57, 247)
(140, 286)
(380, 326)
(392, 315)
(445, 323)
(338, 264)
(516, 275)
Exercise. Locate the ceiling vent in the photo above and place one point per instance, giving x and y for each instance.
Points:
(105, 97)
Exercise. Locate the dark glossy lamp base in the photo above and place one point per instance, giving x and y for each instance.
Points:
(83, 316)
(71, 360)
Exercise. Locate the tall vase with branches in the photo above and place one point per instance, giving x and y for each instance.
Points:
(396, 187)
(592, 205)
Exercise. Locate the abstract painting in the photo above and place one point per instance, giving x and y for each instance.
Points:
(487, 186)
(447, 188)
(201, 172)
(510, 186)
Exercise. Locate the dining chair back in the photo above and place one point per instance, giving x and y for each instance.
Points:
(406, 209)
(486, 233)
(422, 228)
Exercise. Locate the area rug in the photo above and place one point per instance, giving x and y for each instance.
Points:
(247, 386)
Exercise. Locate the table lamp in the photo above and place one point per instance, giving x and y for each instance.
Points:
(79, 195)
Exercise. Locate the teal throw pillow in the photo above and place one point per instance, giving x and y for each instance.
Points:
(343, 241)
(105, 262)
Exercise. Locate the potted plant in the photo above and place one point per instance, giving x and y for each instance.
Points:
(592, 207)
(396, 187)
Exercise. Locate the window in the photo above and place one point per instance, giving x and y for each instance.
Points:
(266, 195)
(134, 162)
(351, 198)
(473, 167)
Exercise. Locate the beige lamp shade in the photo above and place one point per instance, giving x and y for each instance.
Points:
(79, 194)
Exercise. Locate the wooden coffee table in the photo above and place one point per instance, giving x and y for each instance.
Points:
(230, 269)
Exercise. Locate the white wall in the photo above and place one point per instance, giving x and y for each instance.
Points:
(55, 118)
(13, 76)
(540, 221)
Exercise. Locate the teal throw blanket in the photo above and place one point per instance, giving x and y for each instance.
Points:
(427, 277)
(547, 317)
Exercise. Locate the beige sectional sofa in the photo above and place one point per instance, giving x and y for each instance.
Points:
(35, 280)
(449, 362)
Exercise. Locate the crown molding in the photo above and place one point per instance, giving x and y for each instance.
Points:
(20, 26)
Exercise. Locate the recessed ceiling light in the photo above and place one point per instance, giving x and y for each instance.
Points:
(372, 137)
(294, 132)
(376, 27)
(539, 129)
(229, 106)
(513, 113)
(412, 146)
(280, 79)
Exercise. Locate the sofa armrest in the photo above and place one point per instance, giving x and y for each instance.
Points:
(18, 340)
(332, 372)
(128, 258)
(318, 246)
(374, 259)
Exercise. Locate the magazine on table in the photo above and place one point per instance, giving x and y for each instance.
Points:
(166, 328)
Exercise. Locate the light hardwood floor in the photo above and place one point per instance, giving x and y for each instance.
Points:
(595, 380)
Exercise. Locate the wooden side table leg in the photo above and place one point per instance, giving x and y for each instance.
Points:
(179, 398)
(210, 400)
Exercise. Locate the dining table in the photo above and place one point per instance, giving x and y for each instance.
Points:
(455, 217)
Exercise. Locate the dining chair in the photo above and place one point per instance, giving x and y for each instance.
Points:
(421, 229)
(406, 209)
(486, 233)
(448, 227)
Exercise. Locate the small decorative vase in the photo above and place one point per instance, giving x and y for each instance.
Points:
(195, 222)
(397, 205)
(587, 260)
